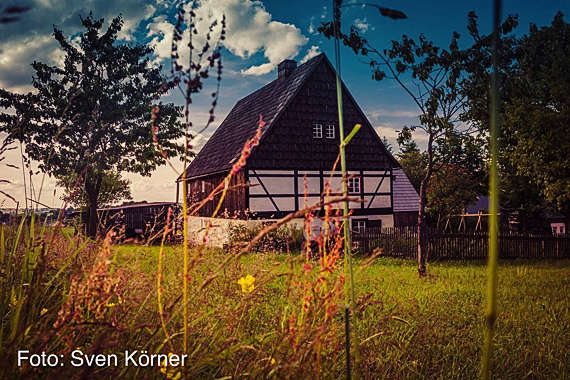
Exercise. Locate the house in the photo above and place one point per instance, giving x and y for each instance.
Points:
(558, 223)
(299, 145)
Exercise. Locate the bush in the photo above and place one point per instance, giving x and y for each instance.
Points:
(283, 239)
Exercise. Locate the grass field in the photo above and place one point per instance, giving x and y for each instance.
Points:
(270, 315)
(408, 327)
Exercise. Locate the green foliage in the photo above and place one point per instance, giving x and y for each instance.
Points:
(113, 190)
(413, 162)
(91, 115)
(434, 78)
(450, 191)
(285, 238)
(534, 145)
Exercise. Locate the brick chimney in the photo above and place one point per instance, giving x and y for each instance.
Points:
(285, 68)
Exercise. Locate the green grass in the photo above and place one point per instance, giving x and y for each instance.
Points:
(80, 293)
(410, 327)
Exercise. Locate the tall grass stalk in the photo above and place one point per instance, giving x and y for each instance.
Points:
(491, 312)
(349, 287)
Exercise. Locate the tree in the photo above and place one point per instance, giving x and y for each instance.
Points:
(387, 144)
(91, 116)
(433, 78)
(413, 162)
(534, 144)
(113, 190)
(450, 191)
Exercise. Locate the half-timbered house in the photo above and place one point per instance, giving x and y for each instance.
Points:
(297, 150)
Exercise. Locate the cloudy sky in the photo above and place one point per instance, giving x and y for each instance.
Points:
(260, 34)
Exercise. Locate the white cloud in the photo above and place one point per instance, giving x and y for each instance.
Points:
(362, 25)
(312, 52)
(250, 30)
(312, 29)
(386, 131)
(130, 24)
(259, 69)
(31, 37)
(17, 56)
(381, 113)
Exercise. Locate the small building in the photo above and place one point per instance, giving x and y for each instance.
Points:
(137, 218)
(558, 223)
(297, 150)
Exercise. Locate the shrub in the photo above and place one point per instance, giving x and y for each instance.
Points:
(283, 239)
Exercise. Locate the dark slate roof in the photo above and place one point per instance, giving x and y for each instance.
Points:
(405, 196)
(137, 205)
(225, 145)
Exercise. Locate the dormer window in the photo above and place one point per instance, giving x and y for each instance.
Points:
(330, 131)
(317, 131)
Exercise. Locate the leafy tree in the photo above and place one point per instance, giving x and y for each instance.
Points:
(434, 78)
(534, 144)
(450, 191)
(413, 162)
(91, 116)
(113, 190)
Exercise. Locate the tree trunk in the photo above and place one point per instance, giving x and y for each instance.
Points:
(92, 188)
(422, 251)
(421, 232)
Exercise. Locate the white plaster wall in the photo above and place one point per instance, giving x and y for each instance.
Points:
(218, 234)
(370, 184)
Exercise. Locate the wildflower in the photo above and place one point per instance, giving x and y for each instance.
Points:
(170, 373)
(43, 311)
(247, 283)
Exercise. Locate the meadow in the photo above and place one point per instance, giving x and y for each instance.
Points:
(422, 328)
(274, 315)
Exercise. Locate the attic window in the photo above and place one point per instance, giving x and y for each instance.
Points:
(330, 131)
(354, 185)
(317, 131)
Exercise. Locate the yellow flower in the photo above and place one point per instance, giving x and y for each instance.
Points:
(171, 373)
(44, 310)
(247, 283)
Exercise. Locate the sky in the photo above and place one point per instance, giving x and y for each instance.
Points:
(260, 34)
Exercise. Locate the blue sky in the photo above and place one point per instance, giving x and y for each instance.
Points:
(260, 35)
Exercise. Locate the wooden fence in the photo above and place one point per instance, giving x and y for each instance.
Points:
(402, 242)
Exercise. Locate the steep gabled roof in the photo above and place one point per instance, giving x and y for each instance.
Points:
(225, 145)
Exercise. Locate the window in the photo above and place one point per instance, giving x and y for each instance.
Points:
(330, 131)
(359, 225)
(317, 131)
(354, 185)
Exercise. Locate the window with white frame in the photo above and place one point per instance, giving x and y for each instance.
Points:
(330, 131)
(317, 131)
(354, 185)
(359, 225)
